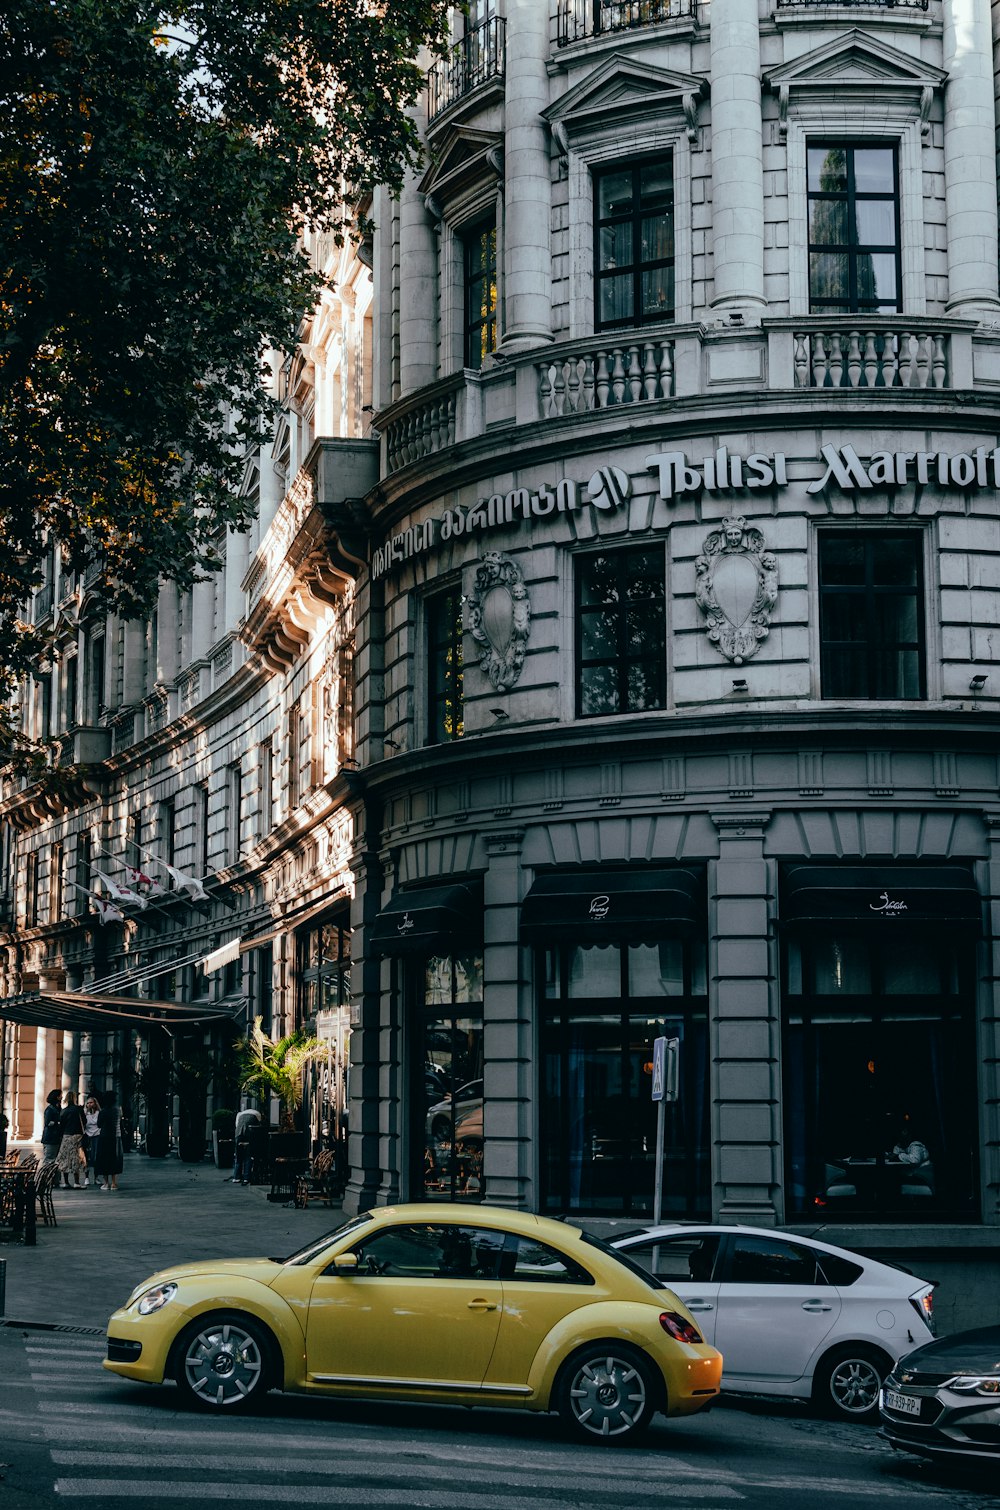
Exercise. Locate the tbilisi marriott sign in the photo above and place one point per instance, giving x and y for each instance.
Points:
(721, 472)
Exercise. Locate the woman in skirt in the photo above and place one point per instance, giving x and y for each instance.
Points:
(71, 1125)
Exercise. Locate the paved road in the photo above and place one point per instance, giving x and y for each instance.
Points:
(71, 1432)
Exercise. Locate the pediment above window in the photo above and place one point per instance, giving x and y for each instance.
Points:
(465, 161)
(622, 92)
(861, 76)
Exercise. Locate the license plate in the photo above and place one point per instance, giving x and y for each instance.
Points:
(907, 1405)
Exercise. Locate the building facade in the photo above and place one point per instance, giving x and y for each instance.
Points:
(674, 689)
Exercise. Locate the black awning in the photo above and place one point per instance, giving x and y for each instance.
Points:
(429, 920)
(880, 894)
(607, 906)
(81, 1012)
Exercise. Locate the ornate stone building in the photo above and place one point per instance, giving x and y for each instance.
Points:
(676, 652)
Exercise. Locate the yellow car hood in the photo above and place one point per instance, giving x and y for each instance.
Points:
(263, 1270)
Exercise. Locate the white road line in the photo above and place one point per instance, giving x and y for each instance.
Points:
(319, 1494)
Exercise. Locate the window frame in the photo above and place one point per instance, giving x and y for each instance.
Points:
(873, 642)
(852, 248)
(622, 663)
(635, 217)
(477, 326)
(453, 684)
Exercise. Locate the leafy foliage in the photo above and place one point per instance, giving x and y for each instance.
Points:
(157, 165)
(274, 1067)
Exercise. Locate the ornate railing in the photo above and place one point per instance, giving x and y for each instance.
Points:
(424, 427)
(577, 19)
(42, 605)
(856, 4)
(602, 377)
(865, 355)
(478, 58)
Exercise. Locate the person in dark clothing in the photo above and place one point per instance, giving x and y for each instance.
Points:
(51, 1133)
(71, 1125)
(110, 1159)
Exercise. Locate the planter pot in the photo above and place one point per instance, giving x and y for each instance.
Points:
(225, 1151)
(191, 1149)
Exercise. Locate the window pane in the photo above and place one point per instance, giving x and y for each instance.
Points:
(845, 673)
(658, 293)
(617, 302)
(894, 562)
(616, 245)
(828, 222)
(827, 170)
(656, 183)
(839, 968)
(644, 628)
(683, 1258)
(598, 634)
(876, 222)
(895, 618)
(897, 674)
(598, 580)
(873, 170)
(594, 972)
(645, 687)
(842, 620)
(536, 1263)
(598, 690)
(657, 238)
(615, 193)
(656, 969)
(829, 273)
(877, 273)
(842, 560)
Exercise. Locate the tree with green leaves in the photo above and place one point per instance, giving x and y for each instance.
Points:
(158, 164)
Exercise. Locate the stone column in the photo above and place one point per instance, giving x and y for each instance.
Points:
(737, 156)
(744, 1026)
(970, 170)
(363, 1147)
(71, 1063)
(133, 669)
(527, 259)
(166, 632)
(506, 1031)
(46, 1072)
(989, 1014)
(202, 620)
(418, 258)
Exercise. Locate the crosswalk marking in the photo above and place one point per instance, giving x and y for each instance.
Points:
(360, 1494)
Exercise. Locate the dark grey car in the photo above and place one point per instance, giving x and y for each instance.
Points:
(943, 1399)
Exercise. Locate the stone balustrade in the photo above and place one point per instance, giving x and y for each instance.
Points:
(863, 355)
(423, 425)
(605, 376)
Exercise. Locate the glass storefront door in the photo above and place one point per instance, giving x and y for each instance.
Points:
(879, 1076)
(447, 1081)
(603, 1009)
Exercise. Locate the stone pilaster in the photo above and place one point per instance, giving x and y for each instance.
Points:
(970, 173)
(737, 156)
(990, 1018)
(506, 1030)
(418, 258)
(527, 257)
(365, 1178)
(744, 1029)
(71, 1063)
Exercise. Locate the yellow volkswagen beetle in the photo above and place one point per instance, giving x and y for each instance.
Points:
(433, 1303)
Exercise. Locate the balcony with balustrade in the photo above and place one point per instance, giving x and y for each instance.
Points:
(577, 20)
(478, 59)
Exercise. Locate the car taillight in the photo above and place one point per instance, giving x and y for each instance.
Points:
(924, 1307)
(677, 1326)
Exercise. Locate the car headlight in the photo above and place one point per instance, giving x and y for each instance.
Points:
(976, 1384)
(155, 1298)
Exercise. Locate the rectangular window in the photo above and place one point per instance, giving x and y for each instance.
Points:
(95, 680)
(31, 889)
(445, 667)
(265, 815)
(621, 627)
(854, 261)
(69, 720)
(55, 882)
(480, 255)
(234, 811)
(871, 614)
(84, 878)
(294, 737)
(203, 838)
(634, 243)
(166, 826)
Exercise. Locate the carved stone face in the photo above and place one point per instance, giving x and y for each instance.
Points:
(734, 532)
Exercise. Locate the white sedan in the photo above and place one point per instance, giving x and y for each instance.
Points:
(790, 1315)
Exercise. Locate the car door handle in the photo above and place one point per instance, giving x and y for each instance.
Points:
(816, 1305)
(699, 1305)
(482, 1305)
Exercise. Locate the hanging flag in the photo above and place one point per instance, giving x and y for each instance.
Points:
(119, 893)
(151, 887)
(107, 912)
(183, 882)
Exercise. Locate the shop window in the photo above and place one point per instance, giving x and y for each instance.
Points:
(880, 1074)
(55, 882)
(445, 658)
(324, 995)
(621, 631)
(31, 889)
(853, 209)
(602, 1009)
(871, 614)
(479, 251)
(634, 243)
(447, 1064)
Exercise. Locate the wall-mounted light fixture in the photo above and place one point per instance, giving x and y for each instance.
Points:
(979, 681)
(500, 714)
(393, 744)
(740, 684)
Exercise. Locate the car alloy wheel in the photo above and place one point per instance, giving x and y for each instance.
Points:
(849, 1383)
(221, 1364)
(607, 1393)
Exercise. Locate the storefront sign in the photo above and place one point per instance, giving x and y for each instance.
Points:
(887, 906)
(678, 475)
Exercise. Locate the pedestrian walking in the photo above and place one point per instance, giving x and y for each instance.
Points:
(110, 1156)
(91, 1110)
(69, 1157)
(51, 1133)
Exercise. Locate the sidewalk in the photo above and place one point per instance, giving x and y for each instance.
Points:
(165, 1213)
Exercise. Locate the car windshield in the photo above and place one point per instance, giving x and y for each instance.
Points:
(303, 1255)
(626, 1262)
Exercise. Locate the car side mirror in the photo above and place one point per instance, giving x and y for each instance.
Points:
(346, 1263)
